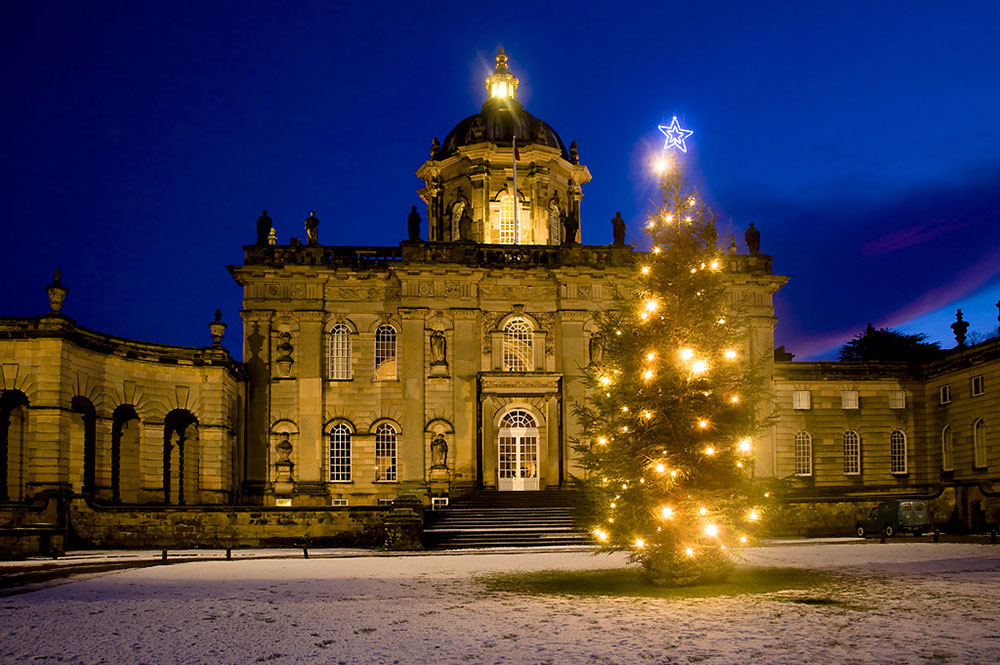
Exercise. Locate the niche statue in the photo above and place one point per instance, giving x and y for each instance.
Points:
(439, 348)
(439, 453)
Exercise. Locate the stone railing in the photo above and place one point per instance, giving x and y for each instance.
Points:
(462, 253)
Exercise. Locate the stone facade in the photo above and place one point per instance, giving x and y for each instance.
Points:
(918, 428)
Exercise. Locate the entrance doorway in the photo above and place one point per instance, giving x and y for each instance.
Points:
(517, 445)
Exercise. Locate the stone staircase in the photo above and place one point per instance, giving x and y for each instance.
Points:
(488, 518)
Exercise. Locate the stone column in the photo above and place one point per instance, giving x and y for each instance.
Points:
(411, 371)
(257, 356)
(466, 359)
(572, 352)
(308, 457)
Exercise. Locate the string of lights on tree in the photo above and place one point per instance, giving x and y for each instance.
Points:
(673, 413)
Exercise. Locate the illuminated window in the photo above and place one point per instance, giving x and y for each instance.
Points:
(852, 453)
(803, 453)
(340, 453)
(385, 353)
(849, 399)
(801, 399)
(979, 444)
(947, 449)
(508, 225)
(518, 346)
(385, 453)
(340, 352)
(897, 452)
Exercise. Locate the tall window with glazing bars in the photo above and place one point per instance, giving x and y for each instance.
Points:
(852, 453)
(518, 347)
(385, 353)
(385, 453)
(340, 352)
(897, 452)
(340, 453)
(803, 453)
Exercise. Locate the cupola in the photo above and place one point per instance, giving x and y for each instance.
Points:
(501, 84)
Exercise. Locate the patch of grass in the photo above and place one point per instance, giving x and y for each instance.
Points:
(626, 583)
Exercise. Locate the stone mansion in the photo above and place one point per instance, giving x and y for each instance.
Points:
(443, 366)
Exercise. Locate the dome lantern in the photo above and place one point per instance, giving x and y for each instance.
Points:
(501, 84)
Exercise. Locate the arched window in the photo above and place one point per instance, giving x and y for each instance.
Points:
(14, 447)
(385, 453)
(518, 349)
(517, 449)
(508, 224)
(897, 452)
(803, 453)
(340, 453)
(340, 352)
(947, 449)
(979, 444)
(852, 453)
(385, 353)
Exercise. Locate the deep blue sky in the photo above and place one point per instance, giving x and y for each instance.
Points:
(140, 140)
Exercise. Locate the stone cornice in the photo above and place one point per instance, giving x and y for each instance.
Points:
(519, 383)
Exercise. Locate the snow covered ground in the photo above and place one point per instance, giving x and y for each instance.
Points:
(902, 602)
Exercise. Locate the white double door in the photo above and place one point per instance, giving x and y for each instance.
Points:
(518, 464)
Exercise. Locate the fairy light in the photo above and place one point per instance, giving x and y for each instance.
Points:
(651, 356)
(722, 322)
(624, 409)
(689, 552)
(753, 516)
(605, 380)
(710, 451)
(648, 374)
(601, 535)
(703, 511)
(744, 445)
(703, 424)
(729, 353)
(714, 265)
(648, 415)
(735, 399)
(645, 270)
(603, 441)
(667, 512)
(657, 250)
(639, 543)
(711, 530)
(659, 467)
(699, 367)
(651, 305)
(687, 354)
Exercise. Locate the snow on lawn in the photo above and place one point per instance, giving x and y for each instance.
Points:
(901, 602)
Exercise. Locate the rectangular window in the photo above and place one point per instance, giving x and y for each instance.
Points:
(801, 399)
(803, 453)
(338, 502)
(978, 386)
(897, 399)
(944, 394)
(848, 399)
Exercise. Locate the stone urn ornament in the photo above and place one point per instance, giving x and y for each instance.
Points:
(285, 349)
(217, 328)
(57, 292)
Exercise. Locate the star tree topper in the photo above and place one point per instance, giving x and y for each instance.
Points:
(675, 135)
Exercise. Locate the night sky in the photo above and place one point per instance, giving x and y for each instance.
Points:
(140, 141)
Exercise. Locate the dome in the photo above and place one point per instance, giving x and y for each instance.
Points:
(498, 122)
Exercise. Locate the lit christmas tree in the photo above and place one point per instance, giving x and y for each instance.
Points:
(673, 407)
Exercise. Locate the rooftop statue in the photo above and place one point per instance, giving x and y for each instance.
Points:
(752, 238)
(263, 228)
(618, 228)
(312, 229)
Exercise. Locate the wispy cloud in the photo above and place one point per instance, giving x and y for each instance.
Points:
(910, 236)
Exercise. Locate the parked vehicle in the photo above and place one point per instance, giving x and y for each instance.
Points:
(890, 517)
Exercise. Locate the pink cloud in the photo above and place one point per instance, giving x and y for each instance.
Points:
(912, 235)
